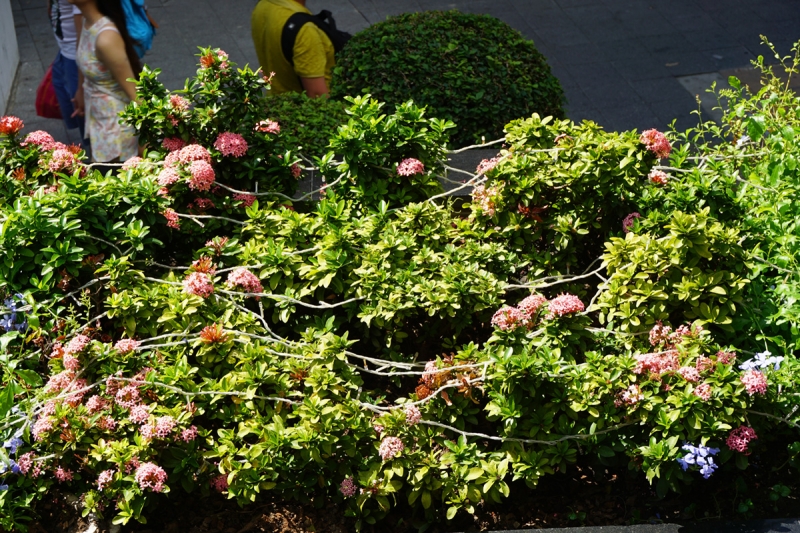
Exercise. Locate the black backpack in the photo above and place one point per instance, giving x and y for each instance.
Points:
(323, 20)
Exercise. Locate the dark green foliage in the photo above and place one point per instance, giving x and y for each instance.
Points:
(472, 69)
(307, 123)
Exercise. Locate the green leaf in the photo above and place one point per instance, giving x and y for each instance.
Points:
(756, 126)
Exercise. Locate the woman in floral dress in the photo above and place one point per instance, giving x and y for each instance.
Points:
(106, 59)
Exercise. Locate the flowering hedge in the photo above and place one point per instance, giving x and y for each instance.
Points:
(178, 325)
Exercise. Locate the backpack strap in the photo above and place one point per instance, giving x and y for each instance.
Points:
(289, 33)
(323, 20)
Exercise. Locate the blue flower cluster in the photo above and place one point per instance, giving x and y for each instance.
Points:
(9, 322)
(762, 360)
(10, 465)
(700, 456)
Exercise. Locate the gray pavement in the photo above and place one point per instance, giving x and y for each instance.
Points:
(623, 63)
(750, 526)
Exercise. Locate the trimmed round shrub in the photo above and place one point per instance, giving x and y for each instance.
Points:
(472, 69)
(308, 123)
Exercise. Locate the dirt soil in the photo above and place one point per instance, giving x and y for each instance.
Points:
(583, 496)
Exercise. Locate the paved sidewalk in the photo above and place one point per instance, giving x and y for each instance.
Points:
(623, 63)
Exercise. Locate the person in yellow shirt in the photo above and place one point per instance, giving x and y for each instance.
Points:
(313, 53)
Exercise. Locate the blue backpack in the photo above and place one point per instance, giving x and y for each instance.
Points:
(139, 26)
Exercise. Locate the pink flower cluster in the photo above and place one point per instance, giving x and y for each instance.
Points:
(627, 223)
(164, 426)
(40, 138)
(173, 144)
(486, 165)
(132, 162)
(485, 199)
(390, 447)
(151, 476)
(246, 199)
(127, 397)
(268, 126)
(689, 373)
(564, 304)
(739, 439)
(41, 427)
(658, 177)
(347, 488)
(71, 362)
(10, 125)
(63, 159)
(231, 144)
(179, 103)
(703, 392)
(172, 219)
(413, 415)
(241, 277)
(168, 176)
(507, 318)
(198, 283)
(95, 404)
(124, 346)
(531, 305)
(656, 363)
(659, 334)
(203, 175)
(656, 142)
(63, 475)
(77, 344)
(219, 483)
(189, 434)
(296, 170)
(104, 479)
(139, 414)
(193, 152)
(754, 382)
(25, 462)
(410, 166)
(630, 396)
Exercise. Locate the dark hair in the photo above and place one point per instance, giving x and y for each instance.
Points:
(113, 10)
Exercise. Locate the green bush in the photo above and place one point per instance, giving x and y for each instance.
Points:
(472, 69)
(307, 123)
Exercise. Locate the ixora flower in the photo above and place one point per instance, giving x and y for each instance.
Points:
(202, 175)
(124, 346)
(347, 488)
(410, 166)
(193, 152)
(413, 415)
(219, 483)
(485, 199)
(658, 177)
(486, 165)
(213, 334)
(754, 382)
(659, 334)
(246, 198)
(739, 439)
(198, 283)
(172, 219)
(531, 305)
(563, 305)
(268, 126)
(703, 392)
(172, 144)
(231, 144)
(151, 476)
(627, 223)
(167, 176)
(40, 138)
(390, 447)
(656, 142)
(10, 125)
(178, 102)
(507, 318)
(701, 457)
(132, 162)
(241, 277)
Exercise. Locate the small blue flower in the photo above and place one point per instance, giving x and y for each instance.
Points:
(13, 444)
(699, 456)
(762, 360)
(3, 487)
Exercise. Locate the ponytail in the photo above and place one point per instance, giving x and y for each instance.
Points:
(113, 10)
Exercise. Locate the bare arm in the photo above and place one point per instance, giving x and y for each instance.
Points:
(315, 86)
(111, 52)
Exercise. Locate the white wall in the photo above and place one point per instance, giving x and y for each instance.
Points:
(9, 54)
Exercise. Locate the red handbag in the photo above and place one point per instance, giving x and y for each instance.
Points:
(46, 100)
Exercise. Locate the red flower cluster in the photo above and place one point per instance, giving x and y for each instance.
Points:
(656, 142)
(10, 125)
